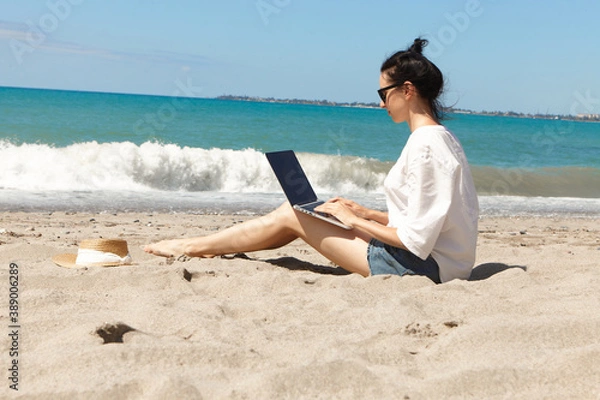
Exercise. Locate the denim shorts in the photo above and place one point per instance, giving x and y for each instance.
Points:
(388, 260)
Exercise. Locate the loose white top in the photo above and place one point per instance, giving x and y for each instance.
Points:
(432, 202)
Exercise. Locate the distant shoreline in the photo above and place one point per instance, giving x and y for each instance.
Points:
(297, 101)
(579, 118)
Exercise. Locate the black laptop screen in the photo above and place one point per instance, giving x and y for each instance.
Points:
(291, 177)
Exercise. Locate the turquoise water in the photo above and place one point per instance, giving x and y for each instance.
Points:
(62, 118)
(57, 143)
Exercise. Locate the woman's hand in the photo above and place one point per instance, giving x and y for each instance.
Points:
(357, 209)
(371, 222)
(345, 210)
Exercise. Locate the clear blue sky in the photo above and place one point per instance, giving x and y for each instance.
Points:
(514, 55)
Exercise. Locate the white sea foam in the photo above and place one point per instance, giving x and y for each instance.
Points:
(155, 176)
(125, 166)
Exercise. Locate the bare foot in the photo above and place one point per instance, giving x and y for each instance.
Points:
(167, 248)
(172, 248)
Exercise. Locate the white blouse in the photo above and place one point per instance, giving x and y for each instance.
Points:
(432, 202)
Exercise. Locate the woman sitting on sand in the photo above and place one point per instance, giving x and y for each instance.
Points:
(430, 228)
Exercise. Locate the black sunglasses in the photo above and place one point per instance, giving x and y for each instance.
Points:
(383, 91)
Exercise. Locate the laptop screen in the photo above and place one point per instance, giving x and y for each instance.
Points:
(291, 177)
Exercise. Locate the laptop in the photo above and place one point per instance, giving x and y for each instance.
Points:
(296, 186)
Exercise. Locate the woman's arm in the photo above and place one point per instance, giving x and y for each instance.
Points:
(385, 234)
(370, 221)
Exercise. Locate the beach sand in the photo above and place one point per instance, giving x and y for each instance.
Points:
(287, 324)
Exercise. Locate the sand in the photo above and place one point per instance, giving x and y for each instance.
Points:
(287, 324)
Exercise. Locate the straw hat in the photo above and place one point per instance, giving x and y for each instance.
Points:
(96, 252)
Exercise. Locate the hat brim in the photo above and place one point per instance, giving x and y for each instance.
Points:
(69, 261)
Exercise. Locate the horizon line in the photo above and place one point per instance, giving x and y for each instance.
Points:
(373, 104)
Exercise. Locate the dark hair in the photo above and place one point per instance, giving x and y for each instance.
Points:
(411, 65)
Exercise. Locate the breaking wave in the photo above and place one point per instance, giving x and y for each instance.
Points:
(153, 166)
(93, 166)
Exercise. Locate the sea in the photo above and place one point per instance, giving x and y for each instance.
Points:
(103, 152)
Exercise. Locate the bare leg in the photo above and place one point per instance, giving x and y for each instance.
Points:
(347, 249)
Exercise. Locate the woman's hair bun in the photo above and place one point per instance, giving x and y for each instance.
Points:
(417, 46)
(411, 65)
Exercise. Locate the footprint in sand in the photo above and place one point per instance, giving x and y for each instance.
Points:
(113, 333)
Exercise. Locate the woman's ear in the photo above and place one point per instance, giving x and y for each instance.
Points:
(408, 90)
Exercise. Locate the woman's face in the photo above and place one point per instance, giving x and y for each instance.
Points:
(395, 100)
